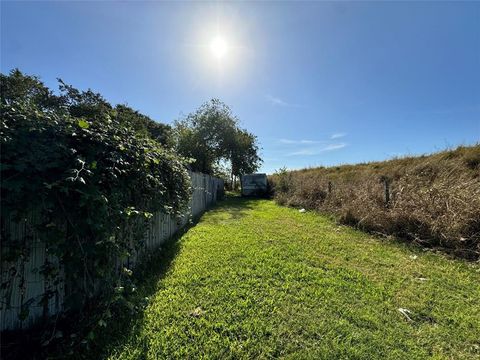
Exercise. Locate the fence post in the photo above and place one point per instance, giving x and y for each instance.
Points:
(330, 188)
(386, 187)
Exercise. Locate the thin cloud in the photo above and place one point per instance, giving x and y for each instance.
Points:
(302, 152)
(279, 102)
(319, 150)
(337, 135)
(289, 141)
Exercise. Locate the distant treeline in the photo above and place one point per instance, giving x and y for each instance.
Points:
(431, 200)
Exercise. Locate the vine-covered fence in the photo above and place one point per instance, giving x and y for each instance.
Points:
(23, 285)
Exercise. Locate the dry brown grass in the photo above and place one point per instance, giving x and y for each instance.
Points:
(434, 199)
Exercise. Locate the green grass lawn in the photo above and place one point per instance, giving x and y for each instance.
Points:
(255, 280)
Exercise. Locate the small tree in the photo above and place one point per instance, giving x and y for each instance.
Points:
(244, 154)
(211, 137)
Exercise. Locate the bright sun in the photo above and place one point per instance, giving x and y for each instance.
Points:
(218, 47)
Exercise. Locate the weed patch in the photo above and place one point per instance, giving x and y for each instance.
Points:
(430, 200)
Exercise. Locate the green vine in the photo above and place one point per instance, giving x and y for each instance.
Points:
(94, 179)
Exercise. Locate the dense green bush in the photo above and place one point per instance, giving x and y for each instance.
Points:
(92, 173)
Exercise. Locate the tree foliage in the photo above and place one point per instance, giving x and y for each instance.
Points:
(211, 136)
(244, 153)
(145, 126)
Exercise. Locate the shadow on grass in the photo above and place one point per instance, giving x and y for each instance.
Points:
(235, 207)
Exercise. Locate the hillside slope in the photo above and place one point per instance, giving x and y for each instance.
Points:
(433, 200)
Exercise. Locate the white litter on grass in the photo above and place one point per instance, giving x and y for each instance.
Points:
(422, 279)
(302, 210)
(405, 313)
(197, 312)
(413, 257)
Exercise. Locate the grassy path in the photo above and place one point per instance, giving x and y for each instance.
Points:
(255, 280)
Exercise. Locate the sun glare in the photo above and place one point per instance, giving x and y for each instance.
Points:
(218, 47)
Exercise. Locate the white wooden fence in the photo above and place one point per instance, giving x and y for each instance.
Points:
(23, 285)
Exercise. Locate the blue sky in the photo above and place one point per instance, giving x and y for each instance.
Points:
(319, 83)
